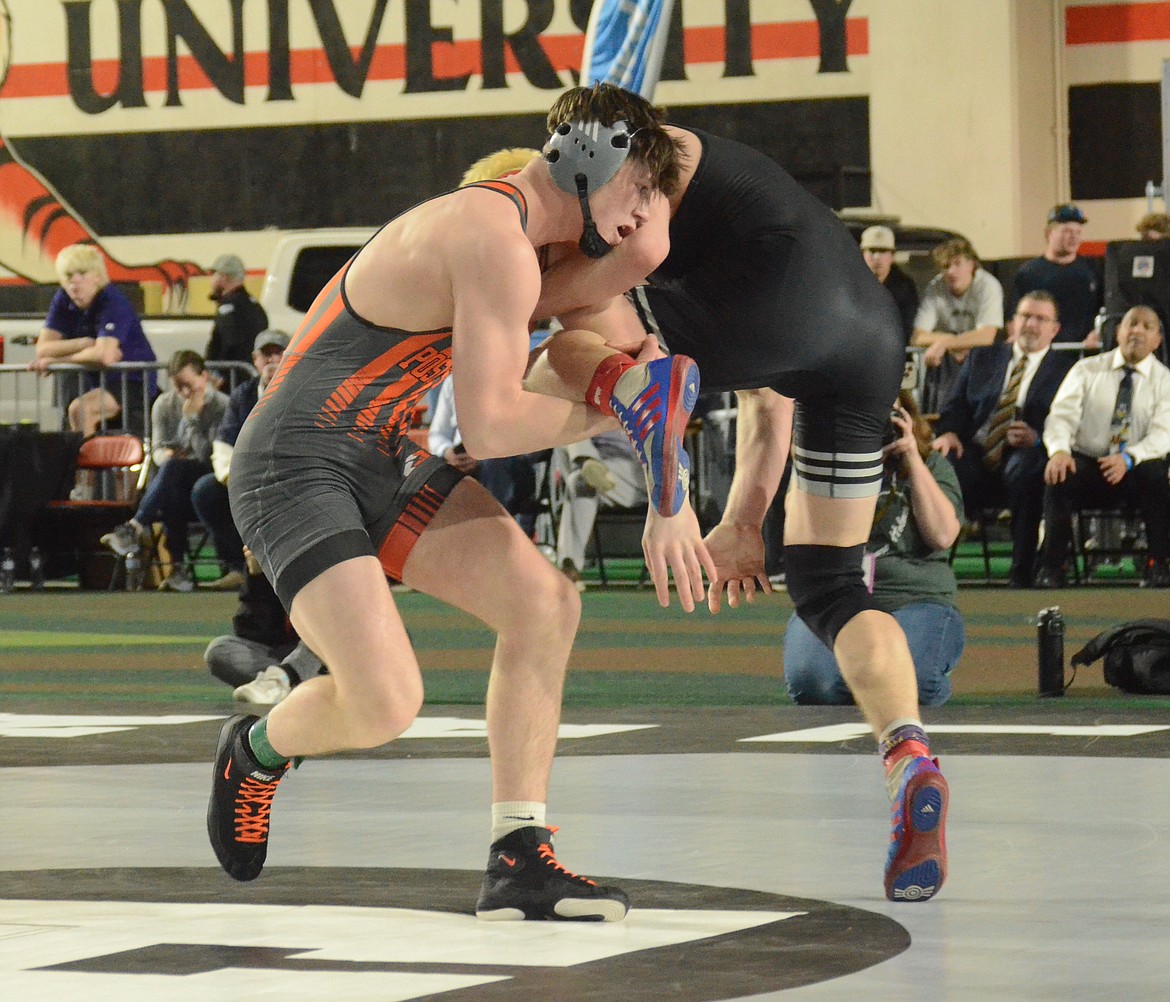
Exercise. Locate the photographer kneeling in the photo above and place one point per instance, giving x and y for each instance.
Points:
(907, 567)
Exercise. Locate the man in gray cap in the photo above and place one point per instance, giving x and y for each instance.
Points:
(209, 496)
(238, 318)
(877, 247)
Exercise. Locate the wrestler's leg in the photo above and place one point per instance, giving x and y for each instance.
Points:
(373, 690)
(506, 583)
(870, 648)
(503, 580)
(574, 364)
(564, 365)
(829, 513)
(348, 617)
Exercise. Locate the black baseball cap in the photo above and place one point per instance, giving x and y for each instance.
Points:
(1066, 212)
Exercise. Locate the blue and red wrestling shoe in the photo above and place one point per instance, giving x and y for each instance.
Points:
(917, 862)
(653, 402)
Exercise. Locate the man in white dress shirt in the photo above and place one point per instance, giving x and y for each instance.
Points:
(1107, 436)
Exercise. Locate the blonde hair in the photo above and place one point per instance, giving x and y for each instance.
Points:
(956, 247)
(496, 165)
(82, 257)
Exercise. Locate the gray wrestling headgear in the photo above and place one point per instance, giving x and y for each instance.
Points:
(583, 157)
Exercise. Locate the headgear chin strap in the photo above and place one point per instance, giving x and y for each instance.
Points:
(583, 157)
(592, 243)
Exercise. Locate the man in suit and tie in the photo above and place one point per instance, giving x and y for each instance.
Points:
(1108, 436)
(991, 424)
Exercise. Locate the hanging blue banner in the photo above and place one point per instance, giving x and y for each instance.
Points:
(624, 43)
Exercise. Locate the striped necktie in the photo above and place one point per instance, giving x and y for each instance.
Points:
(1002, 416)
(1119, 425)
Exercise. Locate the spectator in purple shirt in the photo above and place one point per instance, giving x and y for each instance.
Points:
(92, 323)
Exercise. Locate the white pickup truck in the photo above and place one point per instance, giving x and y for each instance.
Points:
(302, 262)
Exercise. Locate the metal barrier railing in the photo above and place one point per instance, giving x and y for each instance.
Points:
(27, 398)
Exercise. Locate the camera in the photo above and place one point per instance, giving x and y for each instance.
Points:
(1050, 651)
(892, 432)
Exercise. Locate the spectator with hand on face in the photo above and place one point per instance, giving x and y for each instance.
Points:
(184, 420)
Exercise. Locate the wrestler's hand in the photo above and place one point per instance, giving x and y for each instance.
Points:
(648, 350)
(645, 350)
(738, 552)
(676, 543)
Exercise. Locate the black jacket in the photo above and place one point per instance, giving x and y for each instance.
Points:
(238, 319)
(901, 286)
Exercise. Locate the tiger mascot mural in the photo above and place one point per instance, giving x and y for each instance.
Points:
(36, 222)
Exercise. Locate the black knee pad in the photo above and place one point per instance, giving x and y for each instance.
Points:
(826, 585)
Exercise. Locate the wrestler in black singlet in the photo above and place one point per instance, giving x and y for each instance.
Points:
(765, 286)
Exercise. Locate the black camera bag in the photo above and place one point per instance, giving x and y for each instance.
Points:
(1137, 656)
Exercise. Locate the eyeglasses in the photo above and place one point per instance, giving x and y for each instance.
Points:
(1039, 317)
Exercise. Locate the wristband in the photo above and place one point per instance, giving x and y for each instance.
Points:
(1128, 460)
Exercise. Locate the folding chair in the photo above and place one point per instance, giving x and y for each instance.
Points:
(1110, 542)
(617, 532)
(118, 461)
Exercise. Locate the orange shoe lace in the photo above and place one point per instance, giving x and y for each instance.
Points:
(253, 805)
(545, 851)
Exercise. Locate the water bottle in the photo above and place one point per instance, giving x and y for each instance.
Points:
(133, 571)
(7, 572)
(36, 569)
(1050, 651)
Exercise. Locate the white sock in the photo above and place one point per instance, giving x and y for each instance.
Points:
(510, 815)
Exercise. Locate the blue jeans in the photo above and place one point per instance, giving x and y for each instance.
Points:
(210, 500)
(934, 632)
(167, 499)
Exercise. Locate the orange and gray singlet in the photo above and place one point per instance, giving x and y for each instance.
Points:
(323, 470)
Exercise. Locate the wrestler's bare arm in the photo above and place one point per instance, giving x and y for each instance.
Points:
(762, 440)
(575, 281)
(498, 417)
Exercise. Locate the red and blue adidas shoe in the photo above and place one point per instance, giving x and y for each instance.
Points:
(917, 862)
(653, 402)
